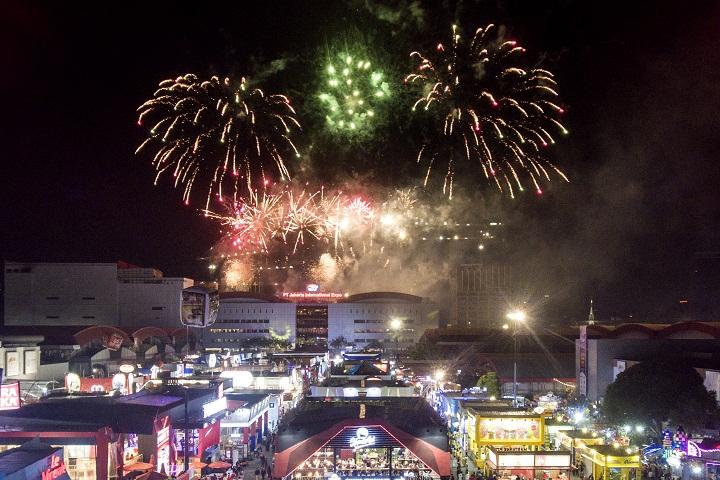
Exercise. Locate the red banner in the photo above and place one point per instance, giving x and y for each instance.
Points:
(208, 437)
(96, 384)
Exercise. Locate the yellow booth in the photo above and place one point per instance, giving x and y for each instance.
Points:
(613, 462)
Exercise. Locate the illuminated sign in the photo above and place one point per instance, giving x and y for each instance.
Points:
(508, 430)
(313, 295)
(10, 396)
(312, 287)
(362, 439)
(162, 427)
(56, 468)
(214, 407)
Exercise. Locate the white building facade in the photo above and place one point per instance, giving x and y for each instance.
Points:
(61, 294)
(394, 319)
(116, 294)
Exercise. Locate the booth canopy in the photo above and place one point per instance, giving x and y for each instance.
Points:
(289, 459)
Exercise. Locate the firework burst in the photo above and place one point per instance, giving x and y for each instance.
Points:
(353, 90)
(489, 109)
(217, 132)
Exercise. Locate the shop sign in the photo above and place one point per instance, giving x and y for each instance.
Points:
(56, 468)
(362, 439)
(10, 396)
(216, 406)
(516, 460)
(505, 430)
(552, 461)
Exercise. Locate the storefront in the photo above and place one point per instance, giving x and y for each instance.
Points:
(613, 462)
(507, 464)
(356, 448)
(243, 430)
(505, 430)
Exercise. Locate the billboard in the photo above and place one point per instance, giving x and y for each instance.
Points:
(508, 430)
(199, 307)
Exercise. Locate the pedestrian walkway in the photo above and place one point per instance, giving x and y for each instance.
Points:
(255, 464)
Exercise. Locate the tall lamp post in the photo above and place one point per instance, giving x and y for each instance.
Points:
(578, 417)
(396, 325)
(516, 317)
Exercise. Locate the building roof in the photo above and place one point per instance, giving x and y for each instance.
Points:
(249, 297)
(413, 415)
(655, 330)
(371, 297)
(288, 459)
(132, 413)
(16, 459)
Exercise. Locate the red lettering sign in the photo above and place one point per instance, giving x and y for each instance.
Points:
(9, 396)
(56, 468)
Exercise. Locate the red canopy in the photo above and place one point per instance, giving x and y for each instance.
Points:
(288, 460)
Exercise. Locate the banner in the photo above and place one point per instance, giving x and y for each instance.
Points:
(199, 307)
(113, 341)
(581, 379)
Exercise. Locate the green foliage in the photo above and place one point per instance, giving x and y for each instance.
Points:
(659, 393)
(338, 343)
(491, 382)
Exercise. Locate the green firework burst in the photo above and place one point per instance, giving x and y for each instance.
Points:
(354, 92)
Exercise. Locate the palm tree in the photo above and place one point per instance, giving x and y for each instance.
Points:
(338, 343)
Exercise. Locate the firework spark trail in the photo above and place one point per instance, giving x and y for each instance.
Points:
(490, 109)
(218, 132)
(288, 219)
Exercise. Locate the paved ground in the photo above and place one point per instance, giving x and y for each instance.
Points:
(249, 471)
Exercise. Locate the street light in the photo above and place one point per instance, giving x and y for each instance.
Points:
(395, 325)
(517, 316)
(578, 417)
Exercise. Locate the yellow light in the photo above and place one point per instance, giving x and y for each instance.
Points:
(516, 315)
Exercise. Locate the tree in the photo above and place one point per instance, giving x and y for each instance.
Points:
(490, 382)
(660, 393)
(338, 343)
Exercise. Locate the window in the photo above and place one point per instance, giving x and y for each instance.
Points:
(52, 298)
(52, 316)
(88, 316)
(359, 321)
(158, 308)
(88, 298)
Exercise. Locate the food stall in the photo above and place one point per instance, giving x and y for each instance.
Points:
(613, 462)
(508, 464)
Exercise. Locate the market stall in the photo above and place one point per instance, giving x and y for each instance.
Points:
(537, 464)
(613, 462)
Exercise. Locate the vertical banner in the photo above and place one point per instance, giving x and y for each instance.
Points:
(582, 362)
(162, 429)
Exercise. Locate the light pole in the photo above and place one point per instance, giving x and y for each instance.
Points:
(517, 317)
(395, 325)
(577, 418)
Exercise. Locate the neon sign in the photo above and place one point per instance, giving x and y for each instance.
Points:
(313, 295)
(362, 439)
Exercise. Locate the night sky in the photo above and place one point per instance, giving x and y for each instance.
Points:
(641, 81)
